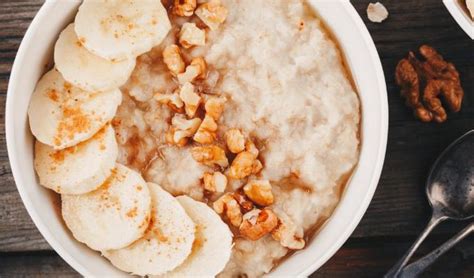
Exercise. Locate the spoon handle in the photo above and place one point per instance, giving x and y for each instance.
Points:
(414, 269)
(397, 268)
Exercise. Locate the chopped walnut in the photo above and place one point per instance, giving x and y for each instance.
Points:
(470, 7)
(251, 148)
(173, 101)
(181, 129)
(257, 166)
(260, 192)
(227, 205)
(210, 155)
(190, 35)
(214, 107)
(184, 7)
(440, 79)
(258, 223)
(216, 182)
(196, 70)
(173, 60)
(206, 133)
(190, 98)
(212, 13)
(286, 233)
(201, 64)
(235, 140)
(242, 165)
(170, 138)
(245, 204)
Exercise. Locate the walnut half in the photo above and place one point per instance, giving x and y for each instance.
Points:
(210, 155)
(260, 192)
(258, 223)
(184, 7)
(227, 205)
(440, 78)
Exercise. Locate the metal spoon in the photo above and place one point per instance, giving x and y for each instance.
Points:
(416, 268)
(450, 191)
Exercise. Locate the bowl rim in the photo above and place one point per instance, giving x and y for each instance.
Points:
(64, 253)
(377, 169)
(460, 17)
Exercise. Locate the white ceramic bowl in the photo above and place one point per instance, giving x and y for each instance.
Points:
(362, 59)
(460, 14)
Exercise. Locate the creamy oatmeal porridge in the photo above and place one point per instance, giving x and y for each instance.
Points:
(285, 88)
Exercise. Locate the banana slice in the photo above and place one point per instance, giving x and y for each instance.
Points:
(167, 243)
(113, 216)
(212, 246)
(62, 115)
(118, 29)
(86, 70)
(78, 169)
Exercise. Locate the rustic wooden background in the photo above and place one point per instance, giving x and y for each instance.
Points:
(399, 209)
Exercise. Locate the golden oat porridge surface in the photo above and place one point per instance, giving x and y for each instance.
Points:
(284, 87)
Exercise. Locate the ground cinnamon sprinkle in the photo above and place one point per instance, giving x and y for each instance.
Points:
(159, 235)
(59, 156)
(132, 213)
(75, 121)
(53, 95)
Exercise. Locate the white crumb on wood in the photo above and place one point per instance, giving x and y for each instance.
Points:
(377, 12)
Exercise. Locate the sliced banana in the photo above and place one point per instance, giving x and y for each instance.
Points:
(62, 115)
(86, 70)
(113, 216)
(212, 246)
(118, 29)
(78, 169)
(167, 243)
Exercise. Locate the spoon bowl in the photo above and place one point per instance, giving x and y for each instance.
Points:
(450, 185)
(450, 191)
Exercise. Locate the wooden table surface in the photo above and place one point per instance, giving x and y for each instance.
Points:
(397, 213)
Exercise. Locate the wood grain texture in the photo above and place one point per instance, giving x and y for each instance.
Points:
(398, 210)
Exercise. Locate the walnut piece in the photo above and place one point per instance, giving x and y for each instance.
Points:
(377, 12)
(242, 165)
(470, 7)
(214, 107)
(228, 206)
(245, 204)
(258, 223)
(173, 60)
(215, 182)
(251, 148)
(257, 166)
(184, 7)
(190, 35)
(210, 155)
(439, 78)
(206, 133)
(260, 192)
(235, 140)
(212, 13)
(181, 129)
(173, 101)
(287, 234)
(190, 98)
(196, 70)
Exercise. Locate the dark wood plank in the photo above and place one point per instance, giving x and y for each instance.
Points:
(38, 264)
(372, 257)
(399, 207)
